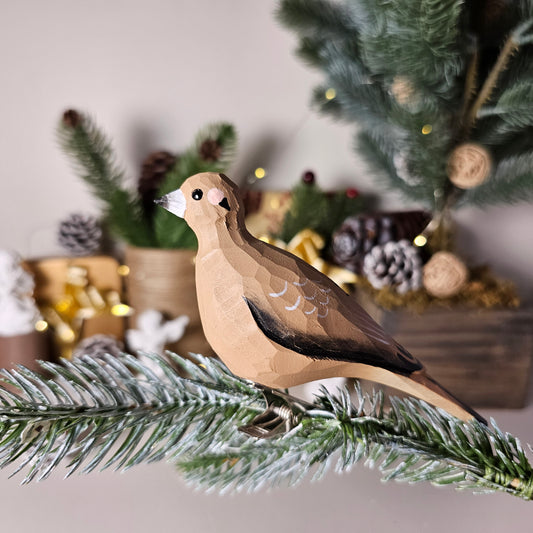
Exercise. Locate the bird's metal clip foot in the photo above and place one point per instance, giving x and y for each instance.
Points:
(283, 413)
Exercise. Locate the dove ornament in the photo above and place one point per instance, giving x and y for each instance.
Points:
(274, 319)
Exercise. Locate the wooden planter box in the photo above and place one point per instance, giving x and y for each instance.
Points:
(481, 356)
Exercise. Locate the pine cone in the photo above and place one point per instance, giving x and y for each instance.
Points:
(80, 234)
(350, 243)
(210, 150)
(98, 345)
(153, 172)
(71, 118)
(359, 234)
(396, 265)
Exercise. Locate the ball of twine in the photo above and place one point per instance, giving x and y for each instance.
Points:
(444, 275)
(469, 165)
(402, 89)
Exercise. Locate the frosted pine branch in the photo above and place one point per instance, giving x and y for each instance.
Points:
(119, 413)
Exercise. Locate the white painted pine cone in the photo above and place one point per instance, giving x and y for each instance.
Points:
(80, 234)
(394, 264)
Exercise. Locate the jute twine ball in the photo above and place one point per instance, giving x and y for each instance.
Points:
(402, 89)
(444, 275)
(469, 165)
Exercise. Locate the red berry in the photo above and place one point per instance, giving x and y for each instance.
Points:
(352, 193)
(308, 177)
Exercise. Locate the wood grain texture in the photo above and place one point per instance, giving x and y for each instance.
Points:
(481, 356)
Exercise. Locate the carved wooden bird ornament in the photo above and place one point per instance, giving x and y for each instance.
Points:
(276, 320)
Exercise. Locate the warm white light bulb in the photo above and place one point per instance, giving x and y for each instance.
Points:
(420, 240)
(330, 93)
(260, 173)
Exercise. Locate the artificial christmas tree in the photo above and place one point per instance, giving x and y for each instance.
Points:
(440, 116)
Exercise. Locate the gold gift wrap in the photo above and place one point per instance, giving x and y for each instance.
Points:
(79, 298)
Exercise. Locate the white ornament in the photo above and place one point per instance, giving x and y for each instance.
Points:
(394, 264)
(401, 166)
(13, 278)
(18, 312)
(153, 332)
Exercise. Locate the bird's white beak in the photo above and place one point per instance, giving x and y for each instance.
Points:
(173, 202)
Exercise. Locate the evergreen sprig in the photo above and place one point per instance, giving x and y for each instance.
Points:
(312, 208)
(94, 160)
(119, 412)
(116, 413)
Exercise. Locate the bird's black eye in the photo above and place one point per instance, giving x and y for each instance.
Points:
(197, 194)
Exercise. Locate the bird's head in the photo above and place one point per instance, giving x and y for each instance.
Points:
(205, 200)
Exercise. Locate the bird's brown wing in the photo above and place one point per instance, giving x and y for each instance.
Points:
(317, 319)
(369, 344)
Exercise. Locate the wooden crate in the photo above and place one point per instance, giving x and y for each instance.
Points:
(481, 356)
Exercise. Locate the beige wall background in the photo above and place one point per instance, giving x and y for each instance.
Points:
(152, 73)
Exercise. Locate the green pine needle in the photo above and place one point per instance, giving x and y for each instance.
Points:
(511, 113)
(117, 413)
(364, 47)
(317, 17)
(309, 205)
(93, 156)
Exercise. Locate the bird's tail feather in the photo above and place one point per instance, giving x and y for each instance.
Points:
(417, 384)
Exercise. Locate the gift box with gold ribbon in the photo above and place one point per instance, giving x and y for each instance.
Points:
(79, 297)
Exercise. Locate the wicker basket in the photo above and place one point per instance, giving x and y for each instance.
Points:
(164, 280)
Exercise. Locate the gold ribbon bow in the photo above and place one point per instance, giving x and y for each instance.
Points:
(307, 245)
